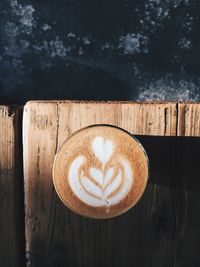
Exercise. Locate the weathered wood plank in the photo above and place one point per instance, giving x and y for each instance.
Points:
(40, 142)
(57, 237)
(12, 242)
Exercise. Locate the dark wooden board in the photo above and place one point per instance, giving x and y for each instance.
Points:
(12, 238)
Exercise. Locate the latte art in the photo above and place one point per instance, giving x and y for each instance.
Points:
(104, 186)
(100, 171)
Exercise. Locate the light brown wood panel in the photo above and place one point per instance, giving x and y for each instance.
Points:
(12, 243)
(55, 236)
(137, 118)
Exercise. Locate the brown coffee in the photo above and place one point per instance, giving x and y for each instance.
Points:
(100, 171)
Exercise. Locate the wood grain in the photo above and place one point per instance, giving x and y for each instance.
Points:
(12, 242)
(55, 236)
(188, 119)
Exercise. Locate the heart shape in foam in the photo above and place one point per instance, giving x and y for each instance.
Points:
(102, 149)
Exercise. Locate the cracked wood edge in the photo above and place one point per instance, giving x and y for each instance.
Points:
(11, 189)
(188, 119)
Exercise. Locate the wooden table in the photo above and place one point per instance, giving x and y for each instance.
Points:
(163, 229)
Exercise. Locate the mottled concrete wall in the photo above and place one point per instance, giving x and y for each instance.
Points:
(128, 49)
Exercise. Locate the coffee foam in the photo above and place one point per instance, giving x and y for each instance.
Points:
(99, 171)
(103, 186)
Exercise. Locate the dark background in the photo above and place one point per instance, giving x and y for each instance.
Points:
(125, 50)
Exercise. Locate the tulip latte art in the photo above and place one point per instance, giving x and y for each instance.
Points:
(100, 171)
(104, 186)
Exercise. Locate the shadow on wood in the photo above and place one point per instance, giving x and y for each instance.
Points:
(174, 161)
(12, 235)
(146, 235)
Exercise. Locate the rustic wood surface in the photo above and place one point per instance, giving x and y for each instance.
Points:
(161, 230)
(12, 243)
